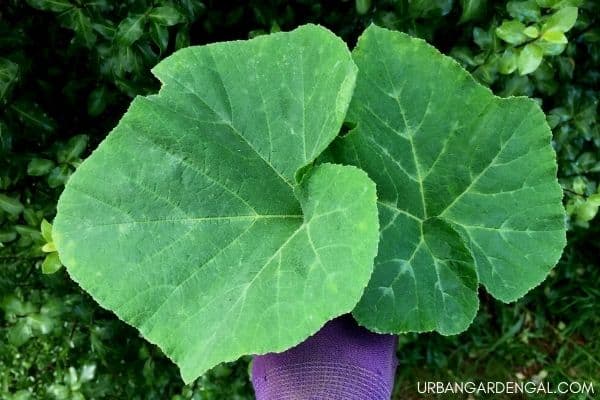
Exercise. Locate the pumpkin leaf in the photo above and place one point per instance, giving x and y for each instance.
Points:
(466, 183)
(200, 221)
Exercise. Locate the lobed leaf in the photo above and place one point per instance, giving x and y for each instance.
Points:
(199, 220)
(466, 183)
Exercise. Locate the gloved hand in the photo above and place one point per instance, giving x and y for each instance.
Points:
(342, 361)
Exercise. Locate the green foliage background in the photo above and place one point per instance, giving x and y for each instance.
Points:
(68, 70)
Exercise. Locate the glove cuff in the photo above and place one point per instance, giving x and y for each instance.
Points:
(342, 361)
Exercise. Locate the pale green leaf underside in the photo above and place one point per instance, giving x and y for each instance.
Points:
(188, 221)
(441, 147)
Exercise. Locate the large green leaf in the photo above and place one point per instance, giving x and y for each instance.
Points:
(189, 221)
(466, 184)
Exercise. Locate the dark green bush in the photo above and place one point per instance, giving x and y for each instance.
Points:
(68, 69)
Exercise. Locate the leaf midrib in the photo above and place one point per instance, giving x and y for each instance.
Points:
(208, 218)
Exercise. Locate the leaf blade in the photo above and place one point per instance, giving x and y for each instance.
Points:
(440, 146)
(205, 241)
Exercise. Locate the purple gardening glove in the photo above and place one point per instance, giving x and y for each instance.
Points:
(342, 361)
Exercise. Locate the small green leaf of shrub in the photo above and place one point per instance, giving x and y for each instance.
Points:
(472, 10)
(10, 205)
(165, 16)
(562, 20)
(512, 32)
(508, 62)
(362, 6)
(39, 166)
(46, 229)
(524, 11)
(530, 58)
(73, 149)
(51, 263)
(9, 73)
(51, 5)
(555, 37)
(130, 30)
(532, 32)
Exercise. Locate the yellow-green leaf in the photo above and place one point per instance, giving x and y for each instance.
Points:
(562, 20)
(530, 58)
(531, 32)
(555, 37)
(508, 62)
(512, 32)
(51, 263)
(49, 247)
